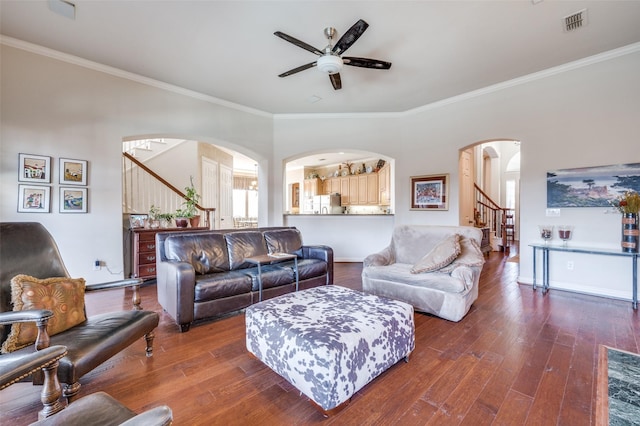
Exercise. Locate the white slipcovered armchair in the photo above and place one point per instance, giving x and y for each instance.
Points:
(434, 268)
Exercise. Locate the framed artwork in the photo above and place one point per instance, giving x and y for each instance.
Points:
(430, 192)
(34, 168)
(73, 172)
(137, 220)
(591, 186)
(34, 199)
(73, 200)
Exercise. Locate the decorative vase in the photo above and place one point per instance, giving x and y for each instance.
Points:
(182, 222)
(194, 221)
(630, 232)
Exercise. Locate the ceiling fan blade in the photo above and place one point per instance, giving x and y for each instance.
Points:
(299, 43)
(350, 37)
(298, 69)
(336, 81)
(366, 63)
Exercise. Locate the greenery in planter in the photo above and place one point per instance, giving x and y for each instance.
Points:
(192, 198)
(154, 212)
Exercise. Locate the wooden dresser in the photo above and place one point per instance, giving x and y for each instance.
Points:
(143, 250)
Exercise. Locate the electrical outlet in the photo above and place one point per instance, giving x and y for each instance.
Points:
(553, 212)
(570, 265)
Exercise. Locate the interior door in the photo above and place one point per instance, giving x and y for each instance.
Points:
(226, 198)
(466, 187)
(210, 187)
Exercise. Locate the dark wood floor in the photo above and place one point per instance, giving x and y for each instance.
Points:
(517, 358)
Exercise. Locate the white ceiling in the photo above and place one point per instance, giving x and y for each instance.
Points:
(226, 49)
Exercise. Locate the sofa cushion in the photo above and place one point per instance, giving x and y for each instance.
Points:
(284, 241)
(307, 268)
(206, 252)
(272, 276)
(217, 286)
(441, 255)
(63, 296)
(241, 245)
(470, 255)
(400, 273)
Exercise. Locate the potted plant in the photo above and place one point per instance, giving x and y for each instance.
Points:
(165, 219)
(154, 220)
(181, 217)
(192, 198)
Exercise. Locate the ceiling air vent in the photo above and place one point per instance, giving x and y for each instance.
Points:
(575, 20)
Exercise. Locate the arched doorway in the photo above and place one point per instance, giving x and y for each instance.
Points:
(489, 187)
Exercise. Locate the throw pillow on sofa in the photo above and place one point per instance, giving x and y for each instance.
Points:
(63, 296)
(440, 256)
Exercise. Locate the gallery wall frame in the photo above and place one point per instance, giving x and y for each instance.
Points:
(73, 200)
(591, 186)
(34, 168)
(430, 192)
(73, 172)
(34, 199)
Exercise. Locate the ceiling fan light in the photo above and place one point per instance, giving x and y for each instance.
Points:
(329, 64)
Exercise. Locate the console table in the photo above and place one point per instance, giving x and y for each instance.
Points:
(546, 248)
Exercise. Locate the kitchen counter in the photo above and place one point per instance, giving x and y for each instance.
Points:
(351, 236)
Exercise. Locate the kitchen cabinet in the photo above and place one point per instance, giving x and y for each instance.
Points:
(368, 189)
(384, 185)
(344, 191)
(311, 187)
(331, 186)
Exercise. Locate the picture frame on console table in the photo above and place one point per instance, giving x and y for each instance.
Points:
(430, 192)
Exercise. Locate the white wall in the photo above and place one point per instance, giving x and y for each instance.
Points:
(585, 116)
(55, 108)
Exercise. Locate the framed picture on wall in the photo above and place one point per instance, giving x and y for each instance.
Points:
(73, 172)
(430, 192)
(34, 199)
(73, 200)
(34, 168)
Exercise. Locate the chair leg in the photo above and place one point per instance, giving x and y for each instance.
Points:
(70, 392)
(149, 338)
(51, 391)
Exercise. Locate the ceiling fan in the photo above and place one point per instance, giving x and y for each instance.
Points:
(330, 60)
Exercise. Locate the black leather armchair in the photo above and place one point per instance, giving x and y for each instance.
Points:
(28, 248)
(16, 366)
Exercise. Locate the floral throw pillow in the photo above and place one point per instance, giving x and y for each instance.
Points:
(63, 296)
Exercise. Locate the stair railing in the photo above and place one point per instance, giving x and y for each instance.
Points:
(489, 213)
(142, 188)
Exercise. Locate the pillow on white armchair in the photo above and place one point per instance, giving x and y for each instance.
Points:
(440, 256)
(470, 255)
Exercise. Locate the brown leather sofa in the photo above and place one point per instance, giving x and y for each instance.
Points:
(204, 274)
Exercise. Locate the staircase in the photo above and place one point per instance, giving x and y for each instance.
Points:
(499, 220)
(142, 188)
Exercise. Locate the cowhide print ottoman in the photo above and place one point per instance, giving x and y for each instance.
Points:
(330, 341)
